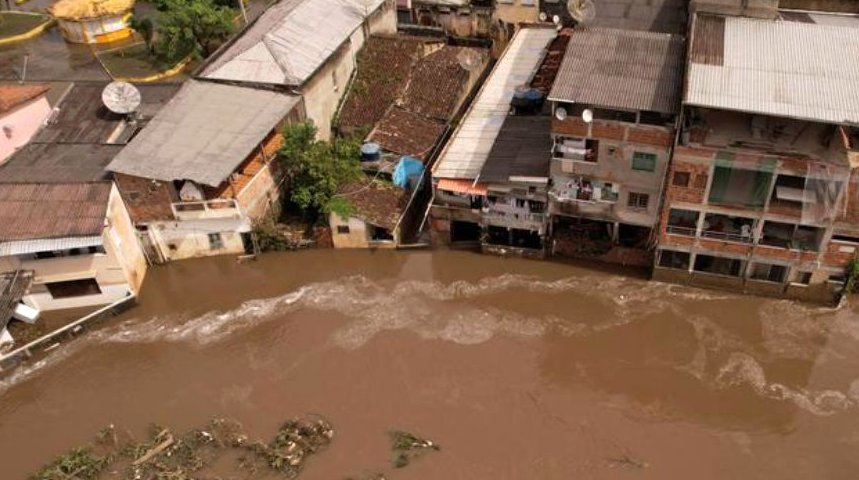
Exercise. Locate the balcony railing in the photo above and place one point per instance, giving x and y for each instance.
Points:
(677, 230)
(219, 208)
(731, 237)
(524, 220)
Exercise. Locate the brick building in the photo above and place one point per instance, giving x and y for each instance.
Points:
(762, 195)
(616, 101)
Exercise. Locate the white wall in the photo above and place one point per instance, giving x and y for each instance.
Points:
(24, 121)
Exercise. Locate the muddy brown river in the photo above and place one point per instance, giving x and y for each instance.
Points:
(518, 369)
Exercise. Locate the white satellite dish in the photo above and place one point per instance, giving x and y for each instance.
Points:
(560, 113)
(582, 11)
(556, 19)
(543, 17)
(121, 97)
(588, 115)
(468, 59)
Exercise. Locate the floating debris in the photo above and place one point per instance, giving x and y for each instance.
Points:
(407, 447)
(626, 461)
(167, 456)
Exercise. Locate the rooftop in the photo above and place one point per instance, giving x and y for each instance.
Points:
(439, 80)
(666, 16)
(58, 163)
(42, 211)
(800, 66)
(406, 133)
(376, 202)
(83, 118)
(622, 69)
(522, 149)
(204, 133)
(89, 9)
(285, 45)
(469, 147)
(12, 96)
(383, 70)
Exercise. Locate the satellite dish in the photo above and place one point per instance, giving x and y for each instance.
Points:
(556, 19)
(588, 115)
(121, 97)
(560, 113)
(543, 17)
(582, 11)
(468, 59)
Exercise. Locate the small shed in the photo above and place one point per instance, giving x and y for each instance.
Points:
(93, 21)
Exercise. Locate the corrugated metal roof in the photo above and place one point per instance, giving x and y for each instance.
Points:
(22, 247)
(523, 149)
(290, 41)
(58, 163)
(467, 150)
(204, 133)
(784, 68)
(622, 69)
(38, 211)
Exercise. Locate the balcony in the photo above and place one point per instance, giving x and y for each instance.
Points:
(206, 209)
(521, 220)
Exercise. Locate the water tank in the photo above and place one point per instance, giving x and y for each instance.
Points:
(370, 152)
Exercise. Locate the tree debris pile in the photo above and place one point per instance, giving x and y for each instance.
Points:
(165, 456)
(407, 447)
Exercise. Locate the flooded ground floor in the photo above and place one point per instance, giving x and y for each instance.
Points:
(517, 368)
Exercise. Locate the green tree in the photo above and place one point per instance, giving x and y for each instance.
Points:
(318, 169)
(145, 28)
(191, 27)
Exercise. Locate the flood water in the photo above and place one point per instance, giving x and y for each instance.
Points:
(518, 369)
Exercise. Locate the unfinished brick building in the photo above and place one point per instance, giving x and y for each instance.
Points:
(761, 195)
(616, 101)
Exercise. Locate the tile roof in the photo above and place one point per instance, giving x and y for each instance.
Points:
(468, 148)
(58, 163)
(622, 69)
(439, 80)
(376, 202)
(11, 96)
(666, 16)
(204, 133)
(383, 70)
(40, 211)
(799, 69)
(406, 133)
(522, 149)
(290, 41)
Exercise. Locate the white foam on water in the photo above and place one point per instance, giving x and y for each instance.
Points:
(743, 369)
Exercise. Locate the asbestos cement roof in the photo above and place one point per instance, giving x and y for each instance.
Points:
(522, 149)
(290, 41)
(622, 69)
(801, 67)
(204, 133)
(44, 211)
(468, 148)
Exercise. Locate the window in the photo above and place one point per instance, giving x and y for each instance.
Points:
(73, 288)
(644, 161)
(719, 265)
(638, 200)
(769, 273)
(700, 181)
(802, 278)
(681, 179)
(674, 259)
(845, 239)
(216, 242)
(682, 222)
(343, 229)
(734, 186)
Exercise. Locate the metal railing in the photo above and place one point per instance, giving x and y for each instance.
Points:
(731, 237)
(677, 230)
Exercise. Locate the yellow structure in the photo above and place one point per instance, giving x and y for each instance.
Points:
(93, 21)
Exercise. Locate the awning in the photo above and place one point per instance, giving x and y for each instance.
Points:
(22, 247)
(461, 186)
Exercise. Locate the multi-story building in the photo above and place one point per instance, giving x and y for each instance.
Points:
(616, 101)
(460, 206)
(762, 194)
